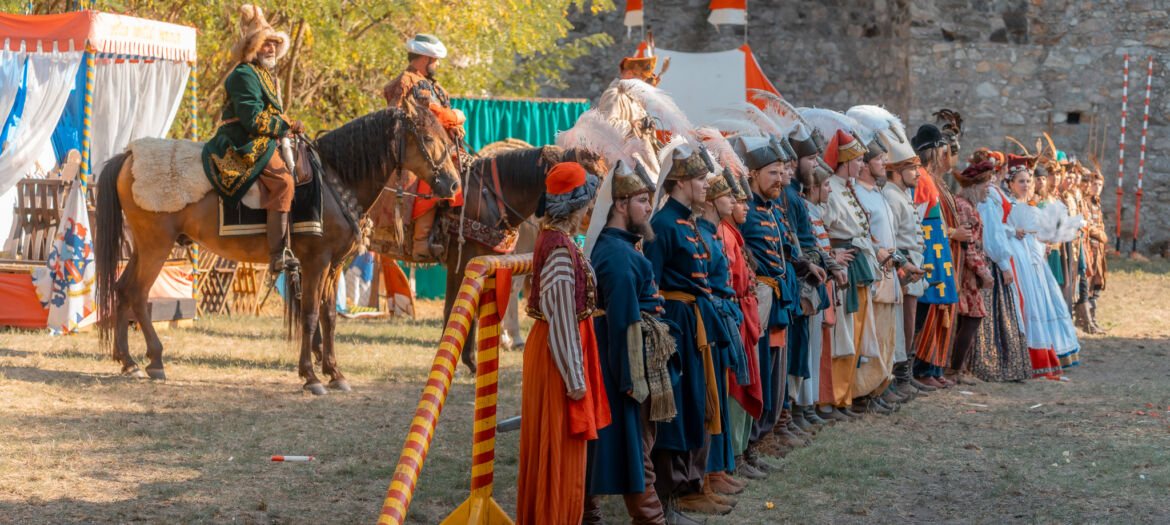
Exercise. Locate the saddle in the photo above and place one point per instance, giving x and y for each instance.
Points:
(308, 199)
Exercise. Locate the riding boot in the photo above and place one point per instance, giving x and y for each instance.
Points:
(644, 507)
(1093, 314)
(423, 249)
(1081, 311)
(277, 226)
(593, 514)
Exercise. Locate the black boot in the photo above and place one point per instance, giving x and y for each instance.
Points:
(279, 256)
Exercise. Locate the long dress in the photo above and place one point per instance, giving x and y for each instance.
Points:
(1001, 350)
(554, 430)
(1047, 324)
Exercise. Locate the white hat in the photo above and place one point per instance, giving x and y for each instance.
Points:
(426, 45)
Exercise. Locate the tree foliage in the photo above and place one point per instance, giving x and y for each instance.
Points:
(343, 52)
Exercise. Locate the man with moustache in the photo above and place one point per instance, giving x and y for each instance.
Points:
(418, 85)
(633, 347)
(902, 173)
(769, 243)
(244, 148)
(849, 228)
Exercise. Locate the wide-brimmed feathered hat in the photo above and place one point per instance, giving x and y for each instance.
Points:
(254, 31)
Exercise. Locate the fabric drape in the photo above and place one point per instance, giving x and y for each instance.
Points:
(534, 122)
(49, 78)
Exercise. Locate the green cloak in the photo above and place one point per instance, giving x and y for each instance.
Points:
(240, 149)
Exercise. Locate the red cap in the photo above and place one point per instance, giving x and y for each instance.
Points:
(564, 177)
(842, 148)
(1019, 162)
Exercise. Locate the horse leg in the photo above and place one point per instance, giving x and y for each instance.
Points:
(328, 329)
(122, 323)
(149, 263)
(311, 284)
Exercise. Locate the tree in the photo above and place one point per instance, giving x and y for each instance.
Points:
(343, 52)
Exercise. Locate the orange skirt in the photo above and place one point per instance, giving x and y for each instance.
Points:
(554, 431)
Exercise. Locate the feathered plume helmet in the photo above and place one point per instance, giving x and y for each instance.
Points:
(643, 66)
(593, 133)
(804, 139)
(951, 124)
(721, 150)
(886, 125)
(843, 131)
(254, 31)
(660, 106)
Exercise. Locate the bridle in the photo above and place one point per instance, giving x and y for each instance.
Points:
(433, 164)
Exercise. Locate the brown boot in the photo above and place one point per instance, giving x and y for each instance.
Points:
(422, 249)
(593, 514)
(721, 483)
(1081, 313)
(701, 504)
(644, 507)
(710, 493)
(830, 413)
(277, 230)
(787, 439)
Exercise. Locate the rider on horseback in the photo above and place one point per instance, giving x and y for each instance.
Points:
(244, 147)
(417, 85)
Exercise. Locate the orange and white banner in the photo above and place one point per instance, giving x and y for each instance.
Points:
(727, 12)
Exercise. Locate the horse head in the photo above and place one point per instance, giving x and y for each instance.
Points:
(429, 151)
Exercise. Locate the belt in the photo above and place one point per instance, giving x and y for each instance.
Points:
(712, 418)
(772, 283)
(232, 120)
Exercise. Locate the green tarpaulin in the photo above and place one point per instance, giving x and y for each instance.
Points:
(534, 121)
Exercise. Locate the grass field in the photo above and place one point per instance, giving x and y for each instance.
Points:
(82, 445)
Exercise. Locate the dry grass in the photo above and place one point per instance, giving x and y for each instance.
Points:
(83, 445)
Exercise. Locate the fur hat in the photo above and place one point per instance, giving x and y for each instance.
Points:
(928, 137)
(254, 31)
(977, 173)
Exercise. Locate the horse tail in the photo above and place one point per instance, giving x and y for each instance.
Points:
(108, 245)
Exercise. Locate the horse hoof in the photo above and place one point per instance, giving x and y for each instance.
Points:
(340, 384)
(134, 372)
(316, 389)
(156, 373)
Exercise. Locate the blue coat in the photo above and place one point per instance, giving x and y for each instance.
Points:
(679, 258)
(625, 288)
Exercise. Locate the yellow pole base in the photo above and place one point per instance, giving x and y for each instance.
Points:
(478, 510)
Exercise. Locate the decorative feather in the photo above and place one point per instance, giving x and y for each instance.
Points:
(665, 161)
(951, 120)
(1018, 144)
(594, 133)
(733, 126)
(659, 105)
(829, 121)
(721, 149)
(784, 114)
(879, 119)
(749, 112)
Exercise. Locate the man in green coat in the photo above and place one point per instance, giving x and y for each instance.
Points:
(244, 148)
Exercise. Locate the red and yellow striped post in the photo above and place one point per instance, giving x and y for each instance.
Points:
(477, 290)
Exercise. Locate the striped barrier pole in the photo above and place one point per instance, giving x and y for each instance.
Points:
(477, 292)
(1137, 206)
(87, 118)
(193, 134)
(1121, 153)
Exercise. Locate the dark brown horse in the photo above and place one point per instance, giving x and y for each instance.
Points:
(521, 176)
(359, 159)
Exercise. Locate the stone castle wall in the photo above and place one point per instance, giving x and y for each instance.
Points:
(1011, 67)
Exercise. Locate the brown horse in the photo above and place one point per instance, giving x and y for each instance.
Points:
(521, 184)
(359, 159)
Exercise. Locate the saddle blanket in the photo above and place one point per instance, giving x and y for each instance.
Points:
(306, 214)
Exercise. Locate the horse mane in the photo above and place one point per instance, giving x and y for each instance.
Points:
(364, 146)
(519, 167)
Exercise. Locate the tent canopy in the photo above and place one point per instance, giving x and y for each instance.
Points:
(86, 81)
(700, 83)
(104, 32)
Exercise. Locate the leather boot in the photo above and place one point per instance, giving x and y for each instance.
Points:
(922, 386)
(592, 514)
(644, 507)
(892, 407)
(277, 230)
(871, 406)
(1081, 313)
(850, 413)
(701, 504)
(745, 469)
(721, 483)
(795, 430)
(802, 423)
(727, 475)
(710, 493)
(1093, 314)
(752, 457)
(422, 248)
(675, 517)
(788, 439)
(830, 413)
(810, 415)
